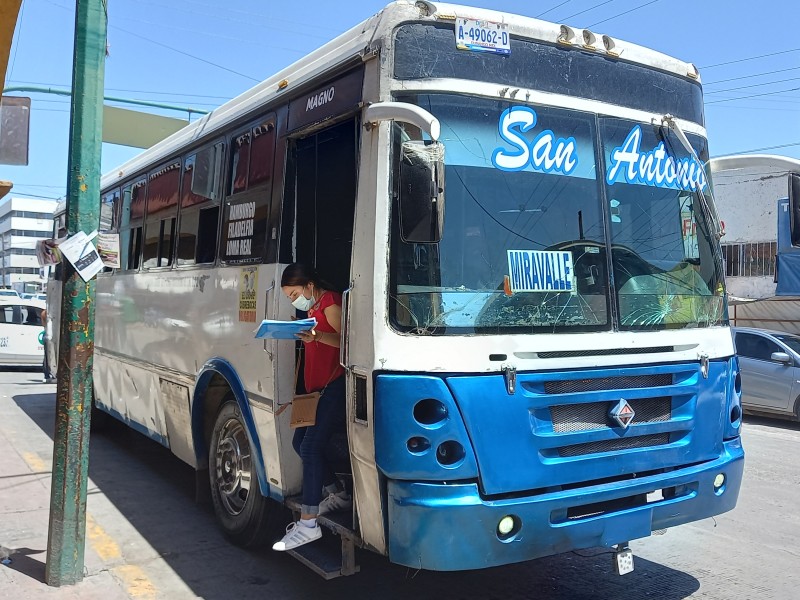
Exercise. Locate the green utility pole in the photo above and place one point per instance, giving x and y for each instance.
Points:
(67, 531)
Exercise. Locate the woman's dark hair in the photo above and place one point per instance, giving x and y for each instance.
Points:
(302, 274)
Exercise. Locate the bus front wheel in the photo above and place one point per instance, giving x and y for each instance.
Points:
(246, 517)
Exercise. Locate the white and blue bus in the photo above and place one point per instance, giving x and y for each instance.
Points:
(535, 333)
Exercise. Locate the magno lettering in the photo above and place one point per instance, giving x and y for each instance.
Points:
(319, 99)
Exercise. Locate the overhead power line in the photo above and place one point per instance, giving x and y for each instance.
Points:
(254, 17)
(707, 83)
(552, 9)
(111, 89)
(588, 9)
(744, 87)
(19, 37)
(754, 96)
(733, 62)
(789, 145)
(626, 12)
(157, 43)
(203, 60)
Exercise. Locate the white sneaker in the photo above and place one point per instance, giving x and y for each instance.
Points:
(297, 534)
(336, 502)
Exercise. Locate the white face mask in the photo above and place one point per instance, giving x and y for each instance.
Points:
(303, 303)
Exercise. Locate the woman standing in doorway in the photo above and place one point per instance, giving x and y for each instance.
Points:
(324, 374)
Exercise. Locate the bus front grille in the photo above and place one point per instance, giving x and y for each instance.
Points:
(624, 382)
(569, 418)
(626, 443)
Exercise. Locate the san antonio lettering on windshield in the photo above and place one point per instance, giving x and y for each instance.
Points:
(654, 168)
(545, 153)
(540, 271)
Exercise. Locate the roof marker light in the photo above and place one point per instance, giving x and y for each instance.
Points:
(610, 46)
(426, 9)
(566, 35)
(589, 40)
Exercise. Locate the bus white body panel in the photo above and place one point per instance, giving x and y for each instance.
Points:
(190, 318)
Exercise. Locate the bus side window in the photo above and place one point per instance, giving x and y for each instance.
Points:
(249, 186)
(133, 206)
(199, 211)
(240, 161)
(109, 215)
(162, 215)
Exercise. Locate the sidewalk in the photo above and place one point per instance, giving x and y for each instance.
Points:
(25, 469)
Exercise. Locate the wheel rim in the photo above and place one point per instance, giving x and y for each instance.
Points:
(233, 466)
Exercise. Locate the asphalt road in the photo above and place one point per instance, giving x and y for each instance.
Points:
(141, 498)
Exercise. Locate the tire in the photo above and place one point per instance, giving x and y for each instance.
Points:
(246, 517)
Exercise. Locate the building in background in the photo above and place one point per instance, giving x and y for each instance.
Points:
(747, 189)
(23, 222)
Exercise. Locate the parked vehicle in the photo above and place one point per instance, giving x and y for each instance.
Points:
(9, 292)
(547, 368)
(769, 362)
(21, 331)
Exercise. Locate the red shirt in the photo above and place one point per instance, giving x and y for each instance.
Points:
(322, 361)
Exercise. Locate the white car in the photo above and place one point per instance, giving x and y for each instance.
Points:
(8, 293)
(21, 331)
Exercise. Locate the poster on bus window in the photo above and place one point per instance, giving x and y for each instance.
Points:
(108, 249)
(80, 251)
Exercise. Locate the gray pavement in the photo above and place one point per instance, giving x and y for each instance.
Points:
(147, 539)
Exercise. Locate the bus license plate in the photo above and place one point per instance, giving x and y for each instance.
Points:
(482, 36)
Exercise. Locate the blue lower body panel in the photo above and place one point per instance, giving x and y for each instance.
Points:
(449, 527)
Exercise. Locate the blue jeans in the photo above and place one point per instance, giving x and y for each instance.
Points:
(311, 444)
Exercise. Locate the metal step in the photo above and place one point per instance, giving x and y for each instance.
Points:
(329, 557)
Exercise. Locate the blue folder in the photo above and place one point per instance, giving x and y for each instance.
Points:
(284, 330)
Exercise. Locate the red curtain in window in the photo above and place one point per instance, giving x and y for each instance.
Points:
(261, 153)
(241, 158)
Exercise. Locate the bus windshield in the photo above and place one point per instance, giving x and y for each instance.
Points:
(532, 210)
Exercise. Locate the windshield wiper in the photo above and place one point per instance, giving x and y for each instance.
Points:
(709, 206)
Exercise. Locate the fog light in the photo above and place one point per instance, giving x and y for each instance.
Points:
(508, 528)
(506, 525)
(719, 481)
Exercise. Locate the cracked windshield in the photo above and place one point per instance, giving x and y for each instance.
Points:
(525, 242)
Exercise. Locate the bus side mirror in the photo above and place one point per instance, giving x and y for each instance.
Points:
(421, 191)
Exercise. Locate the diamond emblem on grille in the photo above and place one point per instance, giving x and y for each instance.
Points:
(622, 413)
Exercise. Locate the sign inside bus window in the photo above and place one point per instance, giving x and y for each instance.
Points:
(655, 168)
(546, 152)
(540, 271)
(691, 249)
(241, 219)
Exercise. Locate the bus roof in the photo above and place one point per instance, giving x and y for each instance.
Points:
(366, 37)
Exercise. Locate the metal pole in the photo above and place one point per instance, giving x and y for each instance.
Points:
(67, 531)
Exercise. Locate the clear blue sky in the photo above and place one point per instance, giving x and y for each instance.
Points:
(202, 52)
